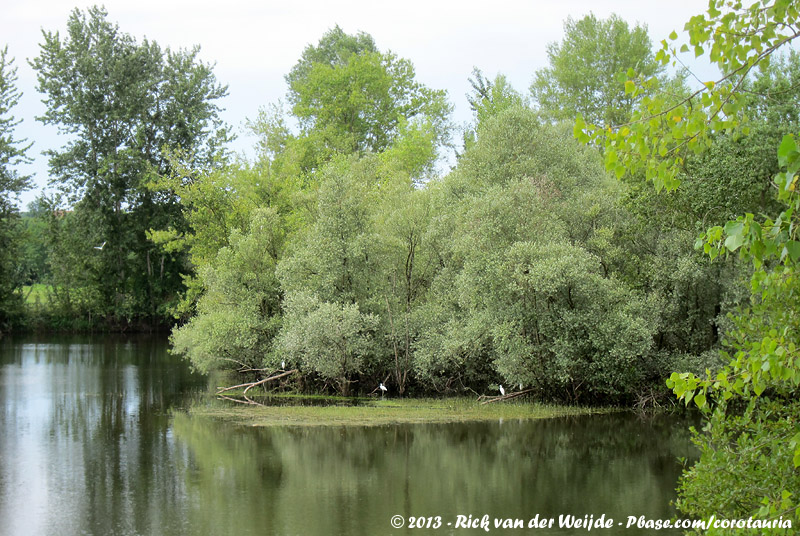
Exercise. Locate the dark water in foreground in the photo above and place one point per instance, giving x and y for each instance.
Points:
(89, 445)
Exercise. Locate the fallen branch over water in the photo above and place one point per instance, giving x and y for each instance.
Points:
(246, 400)
(509, 396)
(250, 385)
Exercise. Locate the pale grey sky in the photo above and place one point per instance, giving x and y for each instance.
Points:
(253, 44)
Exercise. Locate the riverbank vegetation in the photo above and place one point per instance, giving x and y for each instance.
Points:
(282, 411)
(569, 268)
(346, 253)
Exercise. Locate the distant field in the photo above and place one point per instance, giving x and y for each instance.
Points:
(36, 293)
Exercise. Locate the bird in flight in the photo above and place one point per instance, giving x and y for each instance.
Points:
(101, 246)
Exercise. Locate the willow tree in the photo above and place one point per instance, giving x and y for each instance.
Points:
(360, 131)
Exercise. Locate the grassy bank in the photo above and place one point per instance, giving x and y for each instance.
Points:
(381, 412)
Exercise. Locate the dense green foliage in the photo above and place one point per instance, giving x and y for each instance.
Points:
(487, 99)
(12, 153)
(350, 98)
(239, 314)
(124, 104)
(356, 98)
(751, 439)
(519, 285)
(340, 253)
(585, 70)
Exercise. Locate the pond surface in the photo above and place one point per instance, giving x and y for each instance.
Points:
(90, 443)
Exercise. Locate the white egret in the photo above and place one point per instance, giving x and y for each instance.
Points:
(101, 246)
(502, 391)
(383, 389)
(283, 365)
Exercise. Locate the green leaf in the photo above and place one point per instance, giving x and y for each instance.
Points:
(786, 150)
(795, 443)
(700, 400)
(793, 248)
(735, 232)
(630, 87)
(579, 130)
(734, 242)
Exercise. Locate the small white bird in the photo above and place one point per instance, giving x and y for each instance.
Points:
(101, 246)
(520, 387)
(283, 365)
(502, 391)
(383, 389)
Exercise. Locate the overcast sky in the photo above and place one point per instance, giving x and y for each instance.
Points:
(253, 44)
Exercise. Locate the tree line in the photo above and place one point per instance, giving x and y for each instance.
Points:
(344, 251)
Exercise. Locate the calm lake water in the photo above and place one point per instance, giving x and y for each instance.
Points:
(92, 441)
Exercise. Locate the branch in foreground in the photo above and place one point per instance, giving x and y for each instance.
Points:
(509, 396)
(250, 385)
(247, 401)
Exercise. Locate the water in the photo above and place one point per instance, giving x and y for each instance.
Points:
(90, 444)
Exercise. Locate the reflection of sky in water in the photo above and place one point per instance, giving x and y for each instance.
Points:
(26, 407)
(53, 401)
(87, 447)
(70, 430)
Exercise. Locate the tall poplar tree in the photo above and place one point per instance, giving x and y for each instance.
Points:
(584, 76)
(12, 153)
(123, 105)
(348, 97)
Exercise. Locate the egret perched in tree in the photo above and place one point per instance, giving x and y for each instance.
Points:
(101, 246)
(383, 389)
(502, 391)
(283, 365)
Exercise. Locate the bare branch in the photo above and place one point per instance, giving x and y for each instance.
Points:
(250, 385)
(509, 396)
